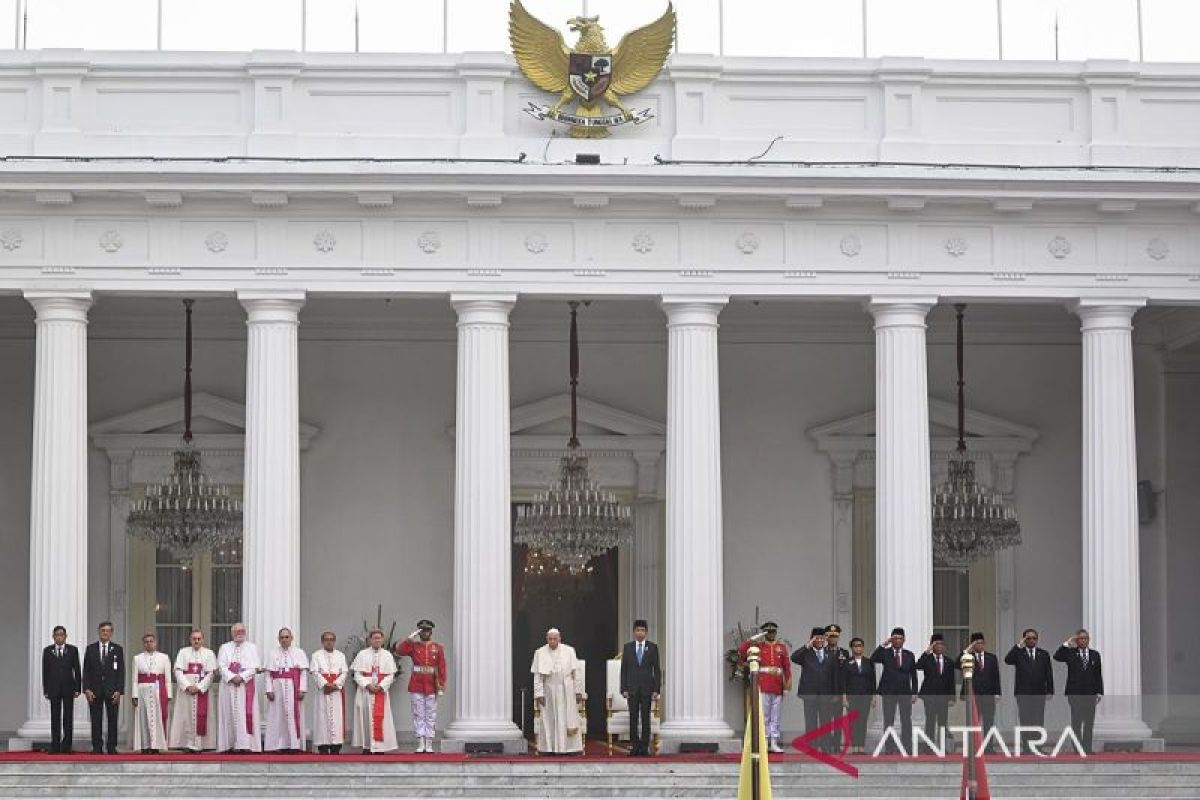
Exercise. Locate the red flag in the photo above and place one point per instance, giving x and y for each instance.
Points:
(973, 745)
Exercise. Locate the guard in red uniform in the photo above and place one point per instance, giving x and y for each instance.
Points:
(774, 677)
(428, 680)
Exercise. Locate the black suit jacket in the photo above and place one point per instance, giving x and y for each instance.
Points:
(104, 678)
(60, 676)
(987, 680)
(1080, 680)
(1031, 676)
(856, 681)
(933, 683)
(896, 679)
(817, 677)
(646, 676)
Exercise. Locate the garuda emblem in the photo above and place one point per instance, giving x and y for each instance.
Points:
(591, 73)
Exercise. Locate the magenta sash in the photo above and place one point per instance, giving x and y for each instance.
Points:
(235, 666)
(197, 668)
(292, 674)
(161, 680)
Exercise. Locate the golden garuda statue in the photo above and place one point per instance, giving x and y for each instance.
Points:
(592, 71)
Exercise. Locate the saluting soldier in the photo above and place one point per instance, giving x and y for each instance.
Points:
(840, 655)
(428, 680)
(774, 677)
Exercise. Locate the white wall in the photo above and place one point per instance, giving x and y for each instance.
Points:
(377, 483)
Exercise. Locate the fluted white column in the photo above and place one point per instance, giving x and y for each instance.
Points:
(271, 491)
(1111, 599)
(694, 680)
(903, 525)
(482, 656)
(58, 502)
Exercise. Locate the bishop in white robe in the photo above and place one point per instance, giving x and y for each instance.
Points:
(237, 728)
(374, 671)
(557, 691)
(151, 697)
(193, 726)
(287, 683)
(329, 673)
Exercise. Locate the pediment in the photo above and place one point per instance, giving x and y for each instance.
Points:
(216, 419)
(987, 430)
(553, 414)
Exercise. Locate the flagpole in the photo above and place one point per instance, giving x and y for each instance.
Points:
(967, 662)
(755, 710)
(1000, 28)
(1141, 43)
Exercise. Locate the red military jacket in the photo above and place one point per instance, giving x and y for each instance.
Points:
(775, 665)
(429, 665)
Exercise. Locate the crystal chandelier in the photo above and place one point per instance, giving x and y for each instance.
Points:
(970, 520)
(547, 581)
(187, 513)
(573, 520)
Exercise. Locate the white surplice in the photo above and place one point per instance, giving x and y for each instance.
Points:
(237, 727)
(374, 729)
(556, 678)
(329, 710)
(150, 716)
(287, 680)
(194, 720)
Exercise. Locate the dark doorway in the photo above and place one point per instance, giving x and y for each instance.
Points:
(584, 608)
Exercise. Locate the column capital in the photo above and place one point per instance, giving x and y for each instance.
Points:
(685, 309)
(483, 308)
(59, 306)
(902, 311)
(1097, 314)
(272, 306)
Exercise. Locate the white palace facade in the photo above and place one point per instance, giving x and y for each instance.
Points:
(382, 248)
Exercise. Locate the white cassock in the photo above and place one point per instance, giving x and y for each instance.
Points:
(152, 690)
(194, 723)
(556, 677)
(374, 729)
(238, 720)
(329, 715)
(287, 679)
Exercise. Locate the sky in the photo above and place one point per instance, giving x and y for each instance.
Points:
(929, 28)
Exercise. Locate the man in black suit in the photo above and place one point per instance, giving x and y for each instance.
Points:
(897, 684)
(819, 683)
(641, 681)
(985, 682)
(937, 685)
(858, 692)
(61, 685)
(103, 682)
(833, 636)
(1033, 681)
(1085, 684)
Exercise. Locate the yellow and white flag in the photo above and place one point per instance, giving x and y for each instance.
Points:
(754, 763)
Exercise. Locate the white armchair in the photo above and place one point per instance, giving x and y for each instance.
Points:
(617, 722)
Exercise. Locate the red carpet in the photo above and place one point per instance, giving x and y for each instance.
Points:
(595, 753)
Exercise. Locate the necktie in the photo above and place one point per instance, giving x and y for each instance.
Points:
(639, 653)
(1031, 654)
(820, 656)
(939, 665)
(979, 658)
(103, 652)
(898, 662)
(60, 652)
(1084, 655)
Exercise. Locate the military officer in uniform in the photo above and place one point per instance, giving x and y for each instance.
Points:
(774, 677)
(428, 681)
(840, 655)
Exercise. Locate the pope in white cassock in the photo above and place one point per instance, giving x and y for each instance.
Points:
(557, 691)
(287, 682)
(329, 673)
(151, 696)
(374, 671)
(193, 726)
(237, 727)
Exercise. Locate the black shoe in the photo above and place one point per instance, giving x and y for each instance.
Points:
(67, 751)
(112, 751)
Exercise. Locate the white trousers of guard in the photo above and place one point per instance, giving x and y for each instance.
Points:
(772, 704)
(424, 713)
